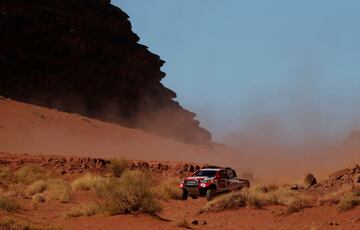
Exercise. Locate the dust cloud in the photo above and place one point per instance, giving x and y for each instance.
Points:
(300, 127)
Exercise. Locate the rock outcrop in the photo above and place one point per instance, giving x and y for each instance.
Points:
(81, 56)
(71, 166)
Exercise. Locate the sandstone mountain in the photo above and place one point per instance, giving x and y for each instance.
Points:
(81, 56)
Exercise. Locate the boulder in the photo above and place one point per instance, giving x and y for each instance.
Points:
(309, 180)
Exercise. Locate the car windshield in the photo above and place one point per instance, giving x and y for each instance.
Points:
(206, 173)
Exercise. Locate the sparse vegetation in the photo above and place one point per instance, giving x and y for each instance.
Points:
(16, 223)
(87, 182)
(348, 202)
(59, 189)
(117, 166)
(9, 205)
(6, 177)
(56, 189)
(38, 186)
(168, 189)
(228, 201)
(30, 173)
(297, 204)
(129, 194)
(88, 210)
(258, 197)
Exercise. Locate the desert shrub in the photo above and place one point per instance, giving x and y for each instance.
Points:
(169, 189)
(9, 205)
(87, 182)
(257, 199)
(59, 189)
(30, 173)
(16, 223)
(56, 189)
(129, 194)
(118, 166)
(227, 201)
(38, 186)
(348, 202)
(334, 197)
(6, 175)
(297, 204)
(88, 210)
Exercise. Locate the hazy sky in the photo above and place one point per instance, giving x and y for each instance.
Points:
(245, 65)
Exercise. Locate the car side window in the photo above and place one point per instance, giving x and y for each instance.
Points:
(223, 174)
(230, 173)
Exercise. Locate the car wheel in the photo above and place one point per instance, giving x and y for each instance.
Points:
(185, 194)
(210, 194)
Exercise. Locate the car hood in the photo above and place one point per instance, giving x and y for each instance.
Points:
(197, 178)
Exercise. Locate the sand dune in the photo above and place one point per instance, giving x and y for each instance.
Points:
(26, 128)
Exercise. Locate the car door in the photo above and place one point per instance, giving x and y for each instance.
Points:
(232, 179)
(223, 181)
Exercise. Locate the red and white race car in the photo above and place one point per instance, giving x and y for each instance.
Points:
(211, 181)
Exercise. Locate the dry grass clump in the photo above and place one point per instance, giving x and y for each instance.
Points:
(9, 205)
(118, 166)
(334, 197)
(16, 223)
(297, 204)
(228, 201)
(258, 198)
(87, 182)
(52, 189)
(88, 210)
(30, 173)
(131, 193)
(169, 189)
(6, 175)
(59, 189)
(38, 186)
(348, 202)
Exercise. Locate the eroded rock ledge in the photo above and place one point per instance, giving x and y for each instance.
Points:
(81, 56)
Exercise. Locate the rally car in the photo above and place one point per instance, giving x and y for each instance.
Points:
(211, 181)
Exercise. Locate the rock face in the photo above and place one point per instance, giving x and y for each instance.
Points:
(81, 56)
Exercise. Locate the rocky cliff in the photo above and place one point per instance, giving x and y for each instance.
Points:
(81, 56)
